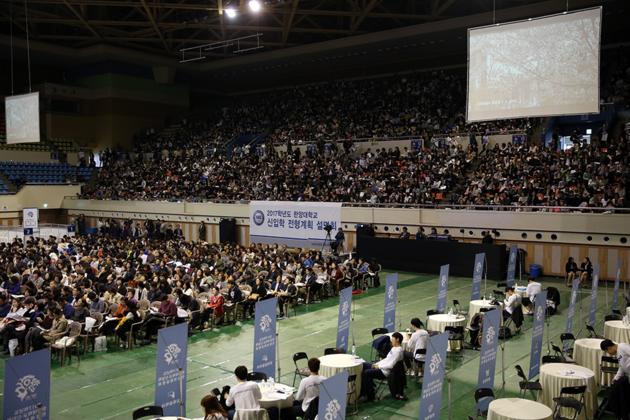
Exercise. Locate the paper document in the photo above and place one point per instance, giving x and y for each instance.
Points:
(277, 396)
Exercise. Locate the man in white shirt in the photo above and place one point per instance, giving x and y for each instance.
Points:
(620, 388)
(511, 302)
(533, 288)
(417, 340)
(244, 395)
(307, 392)
(381, 370)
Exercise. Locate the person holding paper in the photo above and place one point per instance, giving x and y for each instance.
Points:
(307, 392)
(620, 388)
(417, 340)
(11, 321)
(381, 370)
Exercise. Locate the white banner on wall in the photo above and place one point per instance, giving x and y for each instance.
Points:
(29, 217)
(295, 224)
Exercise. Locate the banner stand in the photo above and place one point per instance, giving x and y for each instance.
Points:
(485, 275)
(605, 313)
(502, 354)
(352, 311)
(399, 311)
(259, 310)
(448, 378)
(580, 321)
(547, 322)
(181, 375)
(26, 388)
(278, 352)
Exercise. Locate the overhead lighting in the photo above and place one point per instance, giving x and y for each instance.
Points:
(230, 12)
(254, 5)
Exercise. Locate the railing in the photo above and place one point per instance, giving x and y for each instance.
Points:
(8, 233)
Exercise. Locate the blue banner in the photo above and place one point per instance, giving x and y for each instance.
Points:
(343, 326)
(172, 352)
(574, 295)
(332, 397)
(443, 288)
(591, 313)
(389, 316)
(537, 334)
(433, 382)
(519, 139)
(265, 337)
(512, 265)
(617, 277)
(488, 355)
(27, 384)
(477, 276)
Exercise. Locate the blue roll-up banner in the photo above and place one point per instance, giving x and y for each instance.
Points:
(574, 295)
(26, 385)
(265, 337)
(512, 265)
(591, 313)
(433, 382)
(443, 288)
(477, 276)
(537, 334)
(172, 352)
(343, 326)
(391, 289)
(617, 277)
(488, 357)
(332, 397)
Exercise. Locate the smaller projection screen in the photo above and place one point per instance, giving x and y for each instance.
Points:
(22, 118)
(538, 67)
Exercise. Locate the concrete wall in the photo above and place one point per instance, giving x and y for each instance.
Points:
(37, 157)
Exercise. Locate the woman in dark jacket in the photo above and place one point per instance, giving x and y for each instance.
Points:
(202, 231)
(571, 269)
(261, 291)
(586, 270)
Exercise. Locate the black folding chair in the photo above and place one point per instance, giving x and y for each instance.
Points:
(458, 309)
(256, 376)
(500, 285)
(418, 364)
(605, 392)
(613, 317)
(376, 332)
(352, 390)
(305, 371)
(149, 410)
(481, 394)
(590, 333)
(569, 350)
(527, 385)
(499, 294)
(560, 352)
(334, 350)
(456, 335)
(433, 312)
(570, 398)
(553, 359)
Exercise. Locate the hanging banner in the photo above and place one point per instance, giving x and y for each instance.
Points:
(265, 337)
(332, 397)
(30, 217)
(488, 355)
(512, 265)
(617, 277)
(295, 224)
(343, 325)
(591, 313)
(443, 288)
(537, 334)
(391, 289)
(574, 295)
(477, 276)
(26, 385)
(172, 353)
(433, 381)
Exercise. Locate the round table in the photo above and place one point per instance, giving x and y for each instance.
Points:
(552, 383)
(266, 402)
(587, 353)
(617, 332)
(405, 342)
(521, 291)
(333, 364)
(441, 321)
(475, 308)
(518, 409)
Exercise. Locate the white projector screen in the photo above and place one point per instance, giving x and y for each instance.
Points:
(22, 117)
(538, 67)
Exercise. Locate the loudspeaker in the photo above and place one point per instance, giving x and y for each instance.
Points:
(227, 231)
(365, 230)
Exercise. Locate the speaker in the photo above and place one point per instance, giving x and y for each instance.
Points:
(227, 231)
(365, 230)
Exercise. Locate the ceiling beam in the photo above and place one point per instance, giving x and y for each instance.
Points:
(362, 16)
(87, 25)
(152, 19)
(287, 28)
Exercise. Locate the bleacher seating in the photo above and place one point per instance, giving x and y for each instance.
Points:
(63, 145)
(43, 173)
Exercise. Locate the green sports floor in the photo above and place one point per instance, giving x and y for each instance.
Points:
(110, 385)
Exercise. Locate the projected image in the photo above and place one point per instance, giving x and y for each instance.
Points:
(548, 66)
(22, 118)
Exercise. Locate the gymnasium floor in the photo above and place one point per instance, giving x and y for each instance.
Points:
(110, 385)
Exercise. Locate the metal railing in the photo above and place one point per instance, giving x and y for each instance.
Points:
(8, 233)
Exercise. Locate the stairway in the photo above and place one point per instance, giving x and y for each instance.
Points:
(535, 137)
(91, 184)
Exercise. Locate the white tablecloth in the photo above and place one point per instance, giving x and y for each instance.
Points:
(333, 364)
(518, 409)
(553, 382)
(405, 342)
(266, 402)
(617, 332)
(587, 353)
(439, 322)
(521, 291)
(475, 308)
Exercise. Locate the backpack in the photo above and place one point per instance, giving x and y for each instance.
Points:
(505, 332)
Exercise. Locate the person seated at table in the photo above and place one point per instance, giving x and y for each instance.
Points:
(571, 269)
(533, 288)
(212, 409)
(381, 370)
(307, 392)
(417, 340)
(620, 388)
(245, 395)
(511, 302)
(585, 271)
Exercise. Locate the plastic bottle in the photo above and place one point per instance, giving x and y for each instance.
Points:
(354, 351)
(450, 313)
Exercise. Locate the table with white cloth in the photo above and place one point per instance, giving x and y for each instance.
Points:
(333, 364)
(588, 353)
(441, 321)
(405, 342)
(521, 291)
(279, 403)
(552, 383)
(475, 308)
(617, 332)
(518, 409)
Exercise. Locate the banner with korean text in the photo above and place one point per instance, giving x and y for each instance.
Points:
(343, 326)
(443, 289)
(617, 277)
(391, 290)
(537, 334)
(265, 337)
(574, 295)
(170, 372)
(477, 276)
(512, 265)
(296, 224)
(332, 397)
(593, 309)
(26, 385)
(30, 217)
(433, 381)
(488, 358)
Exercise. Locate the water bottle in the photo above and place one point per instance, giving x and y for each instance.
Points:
(272, 385)
(450, 312)
(354, 351)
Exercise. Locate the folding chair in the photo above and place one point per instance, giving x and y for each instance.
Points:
(149, 410)
(570, 398)
(305, 372)
(256, 376)
(459, 310)
(605, 392)
(481, 394)
(567, 337)
(553, 359)
(334, 350)
(559, 352)
(527, 385)
(456, 335)
(376, 332)
(352, 390)
(590, 333)
(417, 364)
(613, 317)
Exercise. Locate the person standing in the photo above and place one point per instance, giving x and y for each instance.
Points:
(620, 388)
(202, 232)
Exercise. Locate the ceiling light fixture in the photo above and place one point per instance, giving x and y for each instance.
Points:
(254, 5)
(230, 12)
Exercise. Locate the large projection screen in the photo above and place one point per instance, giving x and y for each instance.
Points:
(537, 67)
(22, 118)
